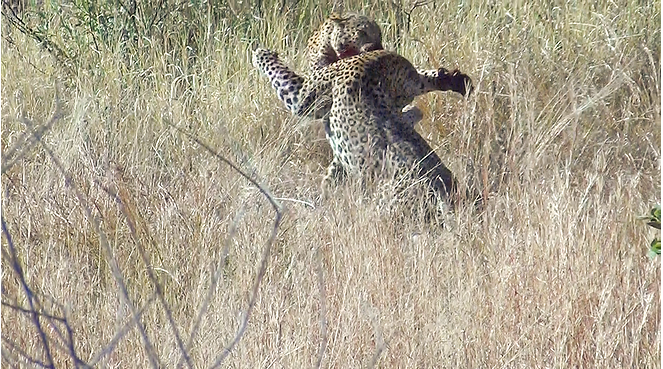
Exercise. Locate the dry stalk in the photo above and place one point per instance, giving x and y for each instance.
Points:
(323, 309)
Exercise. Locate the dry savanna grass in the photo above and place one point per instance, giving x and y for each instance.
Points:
(129, 241)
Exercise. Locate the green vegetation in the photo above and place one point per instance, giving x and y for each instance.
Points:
(654, 220)
(128, 240)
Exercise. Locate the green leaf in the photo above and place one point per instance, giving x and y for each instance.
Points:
(656, 246)
(654, 217)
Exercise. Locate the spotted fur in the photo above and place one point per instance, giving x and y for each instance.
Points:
(341, 37)
(363, 96)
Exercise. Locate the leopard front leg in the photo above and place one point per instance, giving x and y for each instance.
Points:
(302, 96)
(427, 81)
(443, 80)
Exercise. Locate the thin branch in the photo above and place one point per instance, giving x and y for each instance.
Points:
(55, 50)
(380, 343)
(27, 311)
(36, 136)
(124, 202)
(103, 240)
(119, 279)
(376, 356)
(69, 342)
(26, 142)
(132, 223)
(120, 333)
(216, 274)
(19, 350)
(272, 200)
(23, 56)
(416, 4)
(266, 251)
(5, 354)
(68, 345)
(16, 266)
(254, 292)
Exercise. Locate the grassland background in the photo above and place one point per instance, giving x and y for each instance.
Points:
(126, 230)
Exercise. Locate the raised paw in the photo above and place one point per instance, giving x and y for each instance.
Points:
(455, 81)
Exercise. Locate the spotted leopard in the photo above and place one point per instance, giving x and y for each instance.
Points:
(363, 96)
(342, 36)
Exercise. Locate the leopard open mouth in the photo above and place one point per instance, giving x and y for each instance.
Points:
(348, 53)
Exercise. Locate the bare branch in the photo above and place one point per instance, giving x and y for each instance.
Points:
(254, 292)
(272, 200)
(128, 326)
(126, 207)
(103, 240)
(27, 311)
(380, 344)
(15, 348)
(68, 345)
(69, 340)
(55, 50)
(16, 266)
(266, 251)
(214, 281)
(35, 134)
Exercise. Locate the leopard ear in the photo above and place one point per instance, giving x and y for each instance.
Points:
(336, 18)
(255, 45)
(337, 8)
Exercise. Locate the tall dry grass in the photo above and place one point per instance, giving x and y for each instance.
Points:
(126, 243)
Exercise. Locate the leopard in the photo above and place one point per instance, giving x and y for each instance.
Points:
(362, 96)
(349, 34)
(342, 36)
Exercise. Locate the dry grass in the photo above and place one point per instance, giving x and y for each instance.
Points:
(127, 231)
